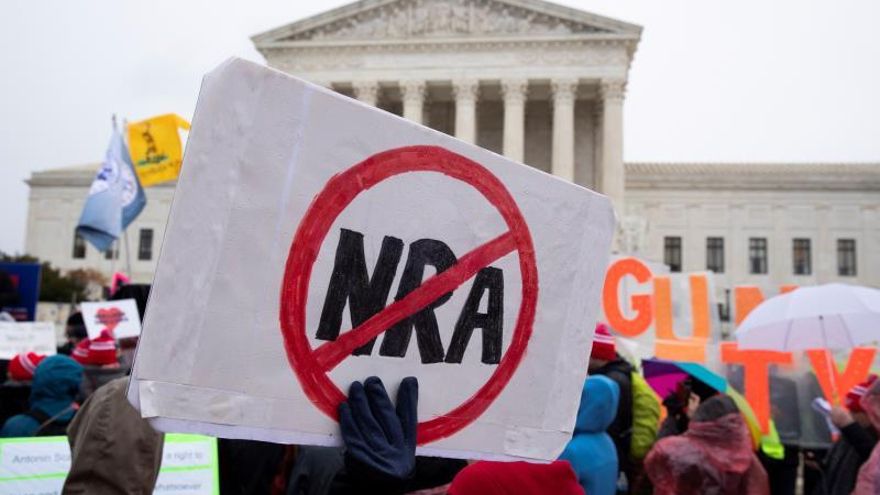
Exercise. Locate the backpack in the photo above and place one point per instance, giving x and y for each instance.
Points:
(646, 417)
(49, 426)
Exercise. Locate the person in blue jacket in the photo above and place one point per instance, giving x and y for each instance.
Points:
(53, 391)
(591, 451)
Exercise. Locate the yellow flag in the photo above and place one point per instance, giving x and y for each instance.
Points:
(155, 148)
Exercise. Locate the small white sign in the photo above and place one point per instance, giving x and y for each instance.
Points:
(19, 338)
(40, 465)
(120, 317)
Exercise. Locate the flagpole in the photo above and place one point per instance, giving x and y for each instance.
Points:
(125, 231)
(113, 258)
(127, 254)
(114, 253)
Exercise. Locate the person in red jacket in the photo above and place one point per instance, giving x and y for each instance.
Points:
(516, 478)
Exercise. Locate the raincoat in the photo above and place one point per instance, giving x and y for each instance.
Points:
(56, 383)
(868, 482)
(713, 457)
(591, 450)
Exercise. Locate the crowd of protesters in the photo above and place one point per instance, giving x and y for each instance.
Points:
(623, 441)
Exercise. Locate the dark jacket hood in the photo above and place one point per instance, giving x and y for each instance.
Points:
(619, 365)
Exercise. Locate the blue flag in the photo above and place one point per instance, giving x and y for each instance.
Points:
(115, 199)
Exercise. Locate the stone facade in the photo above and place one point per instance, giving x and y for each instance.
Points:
(545, 85)
(820, 203)
(56, 200)
(779, 202)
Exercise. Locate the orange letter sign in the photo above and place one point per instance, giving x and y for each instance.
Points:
(668, 345)
(757, 377)
(834, 385)
(641, 303)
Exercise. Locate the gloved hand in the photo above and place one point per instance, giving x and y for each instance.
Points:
(378, 438)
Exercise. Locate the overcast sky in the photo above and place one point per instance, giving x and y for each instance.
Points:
(713, 80)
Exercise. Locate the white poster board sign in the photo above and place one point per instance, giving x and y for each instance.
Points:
(315, 241)
(40, 465)
(18, 338)
(120, 317)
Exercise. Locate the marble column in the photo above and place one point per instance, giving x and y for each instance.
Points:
(366, 91)
(514, 92)
(612, 172)
(412, 93)
(465, 92)
(564, 92)
(597, 143)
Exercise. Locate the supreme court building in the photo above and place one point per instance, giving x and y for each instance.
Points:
(545, 85)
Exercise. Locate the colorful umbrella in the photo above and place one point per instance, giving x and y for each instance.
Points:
(664, 376)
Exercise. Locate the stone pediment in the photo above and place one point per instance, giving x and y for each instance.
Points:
(370, 20)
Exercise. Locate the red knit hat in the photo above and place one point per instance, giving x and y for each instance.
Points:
(22, 366)
(96, 352)
(603, 344)
(854, 396)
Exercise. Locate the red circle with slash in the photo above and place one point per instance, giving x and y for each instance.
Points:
(312, 365)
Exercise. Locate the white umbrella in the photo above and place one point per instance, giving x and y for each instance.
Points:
(831, 316)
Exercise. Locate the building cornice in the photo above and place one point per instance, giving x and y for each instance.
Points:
(629, 41)
(754, 176)
(557, 52)
(547, 44)
(75, 176)
(644, 175)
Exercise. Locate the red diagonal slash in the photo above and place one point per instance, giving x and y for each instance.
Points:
(310, 365)
(331, 354)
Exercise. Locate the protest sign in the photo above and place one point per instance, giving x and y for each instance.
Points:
(33, 465)
(189, 466)
(18, 338)
(40, 465)
(311, 236)
(20, 289)
(120, 318)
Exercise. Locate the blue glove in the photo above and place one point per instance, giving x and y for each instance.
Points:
(377, 437)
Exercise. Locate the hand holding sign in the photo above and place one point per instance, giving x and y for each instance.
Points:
(378, 437)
